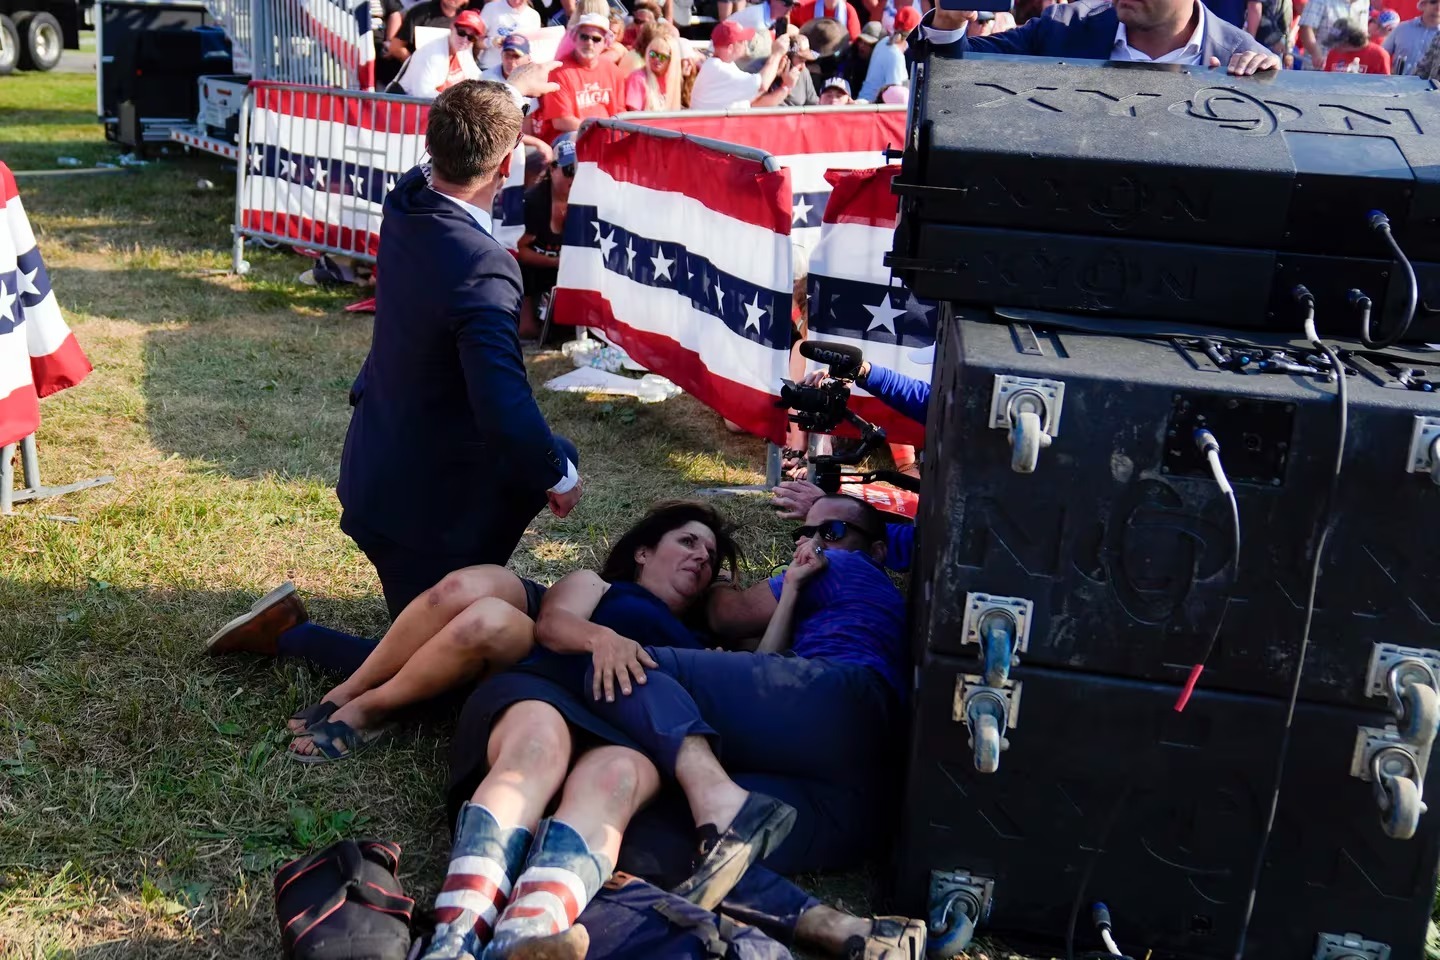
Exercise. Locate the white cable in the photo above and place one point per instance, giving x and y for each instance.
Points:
(1110, 943)
(1212, 457)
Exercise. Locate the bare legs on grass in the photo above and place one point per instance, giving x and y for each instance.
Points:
(470, 624)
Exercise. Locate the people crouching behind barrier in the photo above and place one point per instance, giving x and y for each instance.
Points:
(611, 699)
(538, 250)
(435, 67)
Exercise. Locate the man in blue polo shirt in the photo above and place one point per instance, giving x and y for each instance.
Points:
(805, 714)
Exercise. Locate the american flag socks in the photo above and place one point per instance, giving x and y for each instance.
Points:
(484, 859)
(560, 877)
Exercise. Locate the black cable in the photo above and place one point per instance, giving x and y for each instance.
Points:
(1325, 522)
(1146, 762)
(1381, 225)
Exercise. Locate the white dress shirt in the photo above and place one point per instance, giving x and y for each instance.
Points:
(486, 222)
(1190, 53)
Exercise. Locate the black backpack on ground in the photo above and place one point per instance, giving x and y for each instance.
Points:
(344, 903)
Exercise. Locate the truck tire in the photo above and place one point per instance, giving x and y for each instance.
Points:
(9, 45)
(41, 40)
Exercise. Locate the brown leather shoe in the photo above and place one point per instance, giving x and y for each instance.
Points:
(259, 630)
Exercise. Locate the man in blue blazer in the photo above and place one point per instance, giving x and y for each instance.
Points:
(1144, 31)
(448, 457)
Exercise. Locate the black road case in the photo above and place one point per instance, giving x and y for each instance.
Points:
(1070, 521)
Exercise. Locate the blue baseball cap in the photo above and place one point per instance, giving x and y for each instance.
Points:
(565, 151)
(516, 42)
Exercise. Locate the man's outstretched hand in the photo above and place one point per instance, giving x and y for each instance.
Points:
(562, 503)
(1244, 63)
(533, 79)
(794, 498)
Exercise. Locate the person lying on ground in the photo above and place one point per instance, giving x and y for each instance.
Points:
(844, 685)
(474, 622)
(525, 725)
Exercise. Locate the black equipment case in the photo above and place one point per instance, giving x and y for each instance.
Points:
(1105, 570)
(1143, 191)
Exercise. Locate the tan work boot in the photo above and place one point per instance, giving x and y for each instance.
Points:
(259, 630)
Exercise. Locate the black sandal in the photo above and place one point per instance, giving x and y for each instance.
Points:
(759, 828)
(313, 714)
(890, 938)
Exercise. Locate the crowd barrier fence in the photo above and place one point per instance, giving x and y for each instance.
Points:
(316, 164)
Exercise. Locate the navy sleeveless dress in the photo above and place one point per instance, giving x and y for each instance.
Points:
(558, 679)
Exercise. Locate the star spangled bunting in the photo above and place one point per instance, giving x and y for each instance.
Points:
(870, 311)
(748, 310)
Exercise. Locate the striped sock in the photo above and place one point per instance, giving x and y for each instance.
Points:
(560, 878)
(484, 859)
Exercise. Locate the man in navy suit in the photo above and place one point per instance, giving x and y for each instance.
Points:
(448, 458)
(1144, 31)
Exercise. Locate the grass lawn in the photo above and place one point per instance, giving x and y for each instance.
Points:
(144, 800)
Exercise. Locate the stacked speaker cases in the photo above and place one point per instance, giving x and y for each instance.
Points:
(1076, 558)
(1177, 193)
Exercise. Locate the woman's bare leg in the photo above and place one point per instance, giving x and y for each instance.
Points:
(421, 621)
(488, 635)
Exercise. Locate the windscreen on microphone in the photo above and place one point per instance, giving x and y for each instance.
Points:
(841, 355)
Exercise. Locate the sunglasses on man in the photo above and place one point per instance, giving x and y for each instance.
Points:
(831, 531)
(468, 35)
(589, 38)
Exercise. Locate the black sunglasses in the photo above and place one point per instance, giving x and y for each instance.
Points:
(831, 531)
(468, 35)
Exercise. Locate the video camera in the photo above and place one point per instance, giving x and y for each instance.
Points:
(821, 409)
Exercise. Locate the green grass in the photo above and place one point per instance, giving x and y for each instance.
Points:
(144, 802)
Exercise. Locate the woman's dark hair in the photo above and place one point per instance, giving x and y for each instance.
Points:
(663, 518)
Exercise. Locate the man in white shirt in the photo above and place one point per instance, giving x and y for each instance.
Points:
(721, 85)
(1408, 42)
(502, 18)
(1319, 20)
(1155, 31)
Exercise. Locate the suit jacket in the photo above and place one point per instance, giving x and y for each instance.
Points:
(1086, 31)
(446, 448)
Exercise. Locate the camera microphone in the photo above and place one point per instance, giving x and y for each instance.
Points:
(842, 357)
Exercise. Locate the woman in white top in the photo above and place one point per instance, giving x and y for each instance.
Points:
(435, 66)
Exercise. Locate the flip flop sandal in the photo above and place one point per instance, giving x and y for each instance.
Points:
(313, 714)
(336, 740)
(762, 825)
(890, 938)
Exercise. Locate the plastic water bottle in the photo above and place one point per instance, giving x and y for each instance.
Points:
(580, 352)
(608, 359)
(655, 388)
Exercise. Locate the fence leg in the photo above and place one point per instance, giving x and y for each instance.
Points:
(772, 477)
(30, 467)
(7, 479)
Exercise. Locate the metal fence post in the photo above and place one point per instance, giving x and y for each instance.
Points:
(242, 167)
(7, 479)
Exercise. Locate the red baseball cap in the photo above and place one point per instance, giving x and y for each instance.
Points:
(906, 19)
(470, 20)
(727, 32)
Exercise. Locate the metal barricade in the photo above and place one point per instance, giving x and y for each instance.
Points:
(316, 163)
(318, 42)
